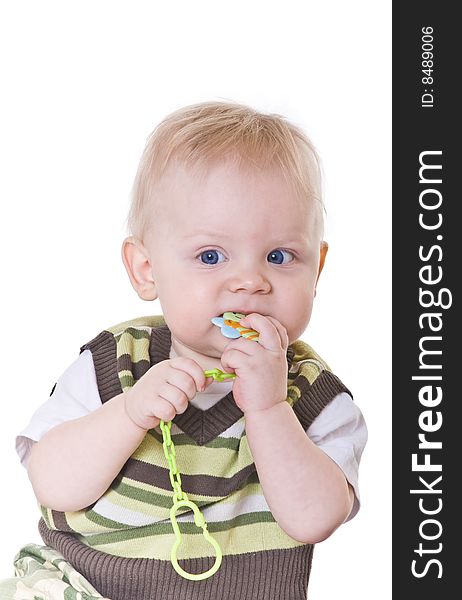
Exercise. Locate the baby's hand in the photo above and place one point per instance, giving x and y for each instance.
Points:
(164, 391)
(261, 367)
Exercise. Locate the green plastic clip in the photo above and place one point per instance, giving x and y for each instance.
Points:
(219, 375)
(180, 500)
(199, 521)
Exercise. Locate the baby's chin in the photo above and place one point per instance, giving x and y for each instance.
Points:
(209, 346)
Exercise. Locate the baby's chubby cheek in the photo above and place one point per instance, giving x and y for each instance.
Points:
(199, 335)
(297, 322)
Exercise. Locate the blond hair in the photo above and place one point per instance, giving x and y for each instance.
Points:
(201, 135)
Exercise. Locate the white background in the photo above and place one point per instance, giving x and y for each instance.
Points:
(83, 84)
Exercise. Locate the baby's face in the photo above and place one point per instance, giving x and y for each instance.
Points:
(231, 240)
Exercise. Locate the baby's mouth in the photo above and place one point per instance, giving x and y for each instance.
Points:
(230, 326)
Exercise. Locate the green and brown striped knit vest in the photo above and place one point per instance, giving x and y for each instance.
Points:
(122, 543)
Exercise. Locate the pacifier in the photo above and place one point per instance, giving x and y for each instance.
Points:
(230, 326)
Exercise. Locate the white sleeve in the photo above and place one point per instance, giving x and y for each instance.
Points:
(75, 395)
(341, 432)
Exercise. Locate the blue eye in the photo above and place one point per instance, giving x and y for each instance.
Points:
(211, 257)
(279, 257)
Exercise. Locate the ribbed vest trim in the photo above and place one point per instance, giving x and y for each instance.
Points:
(104, 351)
(316, 396)
(267, 575)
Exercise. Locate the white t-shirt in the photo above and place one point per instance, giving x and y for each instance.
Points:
(339, 430)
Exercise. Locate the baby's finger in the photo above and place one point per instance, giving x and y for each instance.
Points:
(268, 334)
(281, 330)
(175, 396)
(183, 381)
(192, 369)
(164, 410)
(243, 345)
(233, 359)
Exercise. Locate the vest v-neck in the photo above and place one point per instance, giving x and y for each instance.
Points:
(201, 425)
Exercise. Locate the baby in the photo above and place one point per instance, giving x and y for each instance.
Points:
(226, 215)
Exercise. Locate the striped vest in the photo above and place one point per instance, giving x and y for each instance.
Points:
(122, 543)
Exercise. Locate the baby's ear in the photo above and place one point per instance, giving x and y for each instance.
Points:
(322, 257)
(136, 260)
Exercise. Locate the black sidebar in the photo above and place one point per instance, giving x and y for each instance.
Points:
(427, 330)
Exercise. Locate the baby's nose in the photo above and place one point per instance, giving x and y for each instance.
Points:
(250, 281)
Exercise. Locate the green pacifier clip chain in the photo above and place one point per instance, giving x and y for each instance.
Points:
(180, 498)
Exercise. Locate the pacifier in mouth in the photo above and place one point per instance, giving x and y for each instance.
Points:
(230, 326)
